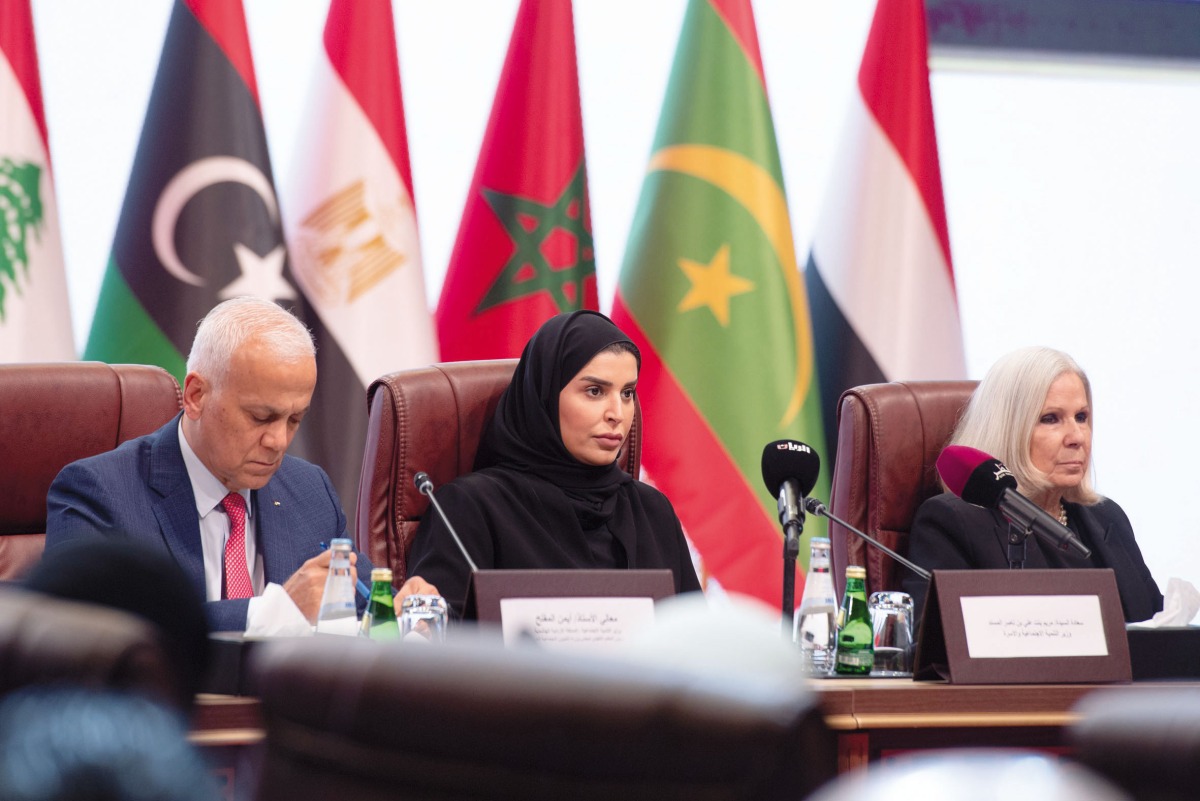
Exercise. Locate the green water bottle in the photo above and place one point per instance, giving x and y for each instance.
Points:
(855, 654)
(379, 622)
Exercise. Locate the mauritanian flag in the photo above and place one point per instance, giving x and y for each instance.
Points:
(200, 221)
(879, 275)
(711, 293)
(35, 317)
(352, 233)
(524, 247)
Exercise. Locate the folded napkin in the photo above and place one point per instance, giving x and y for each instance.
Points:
(1181, 601)
(275, 614)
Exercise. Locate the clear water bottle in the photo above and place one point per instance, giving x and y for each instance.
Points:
(338, 613)
(814, 626)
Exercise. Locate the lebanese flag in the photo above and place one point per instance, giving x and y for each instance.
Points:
(711, 293)
(35, 315)
(352, 234)
(879, 276)
(524, 247)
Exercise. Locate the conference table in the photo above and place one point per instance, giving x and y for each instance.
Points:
(872, 719)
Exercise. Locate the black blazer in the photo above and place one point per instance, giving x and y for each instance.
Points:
(951, 534)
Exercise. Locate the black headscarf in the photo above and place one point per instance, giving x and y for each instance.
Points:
(524, 434)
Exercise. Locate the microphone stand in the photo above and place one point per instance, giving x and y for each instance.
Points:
(791, 514)
(1018, 538)
(817, 508)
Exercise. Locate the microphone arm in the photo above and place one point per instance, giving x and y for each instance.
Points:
(817, 508)
(425, 487)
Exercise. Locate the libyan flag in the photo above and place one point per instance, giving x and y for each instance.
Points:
(524, 247)
(710, 292)
(200, 222)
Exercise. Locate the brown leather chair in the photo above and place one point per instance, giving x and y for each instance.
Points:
(429, 419)
(45, 640)
(1145, 741)
(470, 719)
(52, 414)
(889, 438)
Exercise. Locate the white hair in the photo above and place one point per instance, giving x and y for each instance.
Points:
(232, 324)
(1006, 407)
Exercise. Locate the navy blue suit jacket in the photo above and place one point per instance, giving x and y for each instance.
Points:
(141, 491)
(951, 534)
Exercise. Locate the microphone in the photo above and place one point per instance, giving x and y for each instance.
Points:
(984, 481)
(790, 470)
(815, 507)
(425, 487)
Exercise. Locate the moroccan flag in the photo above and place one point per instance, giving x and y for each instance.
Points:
(200, 221)
(35, 317)
(352, 234)
(711, 293)
(879, 274)
(524, 248)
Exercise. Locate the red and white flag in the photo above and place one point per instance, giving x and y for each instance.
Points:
(880, 279)
(352, 233)
(35, 315)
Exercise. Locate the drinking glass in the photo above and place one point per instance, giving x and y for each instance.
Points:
(891, 616)
(424, 617)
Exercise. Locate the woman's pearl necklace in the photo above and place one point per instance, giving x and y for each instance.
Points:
(1062, 513)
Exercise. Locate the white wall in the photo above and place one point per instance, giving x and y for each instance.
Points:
(1073, 196)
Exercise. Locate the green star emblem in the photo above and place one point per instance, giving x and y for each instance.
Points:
(553, 247)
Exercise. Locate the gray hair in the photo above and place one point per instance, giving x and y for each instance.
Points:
(232, 324)
(1006, 406)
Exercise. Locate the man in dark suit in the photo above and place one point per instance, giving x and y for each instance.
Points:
(214, 487)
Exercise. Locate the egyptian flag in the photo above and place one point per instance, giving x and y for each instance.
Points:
(200, 221)
(35, 317)
(524, 247)
(711, 293)
(879, 274)
(352, 234)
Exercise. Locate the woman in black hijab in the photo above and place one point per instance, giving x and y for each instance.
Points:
(547, 492)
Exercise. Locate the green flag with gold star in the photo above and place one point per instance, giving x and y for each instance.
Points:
(711, 293)
(524, 247)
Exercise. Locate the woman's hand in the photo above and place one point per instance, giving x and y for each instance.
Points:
(415, 586)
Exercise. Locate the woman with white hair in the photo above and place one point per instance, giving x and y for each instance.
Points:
(1033, 412)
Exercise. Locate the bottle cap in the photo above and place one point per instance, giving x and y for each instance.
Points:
(381, 574)
(854, 571)
(341, 544)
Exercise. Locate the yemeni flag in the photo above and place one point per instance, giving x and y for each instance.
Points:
(35, 316)
(879, 274)
(524, 248)
(352, 234)
(711, 294)
(200, 221)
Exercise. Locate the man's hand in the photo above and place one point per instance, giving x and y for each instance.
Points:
(415, 586)
(307, 585)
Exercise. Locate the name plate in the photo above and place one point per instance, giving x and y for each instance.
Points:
(489, 589)
(574, 623)
(1023, 627)
(1030, 626)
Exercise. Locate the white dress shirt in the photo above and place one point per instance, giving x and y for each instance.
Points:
(215, 526)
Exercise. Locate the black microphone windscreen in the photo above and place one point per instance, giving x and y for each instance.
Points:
(987, 484)
(786, 459)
